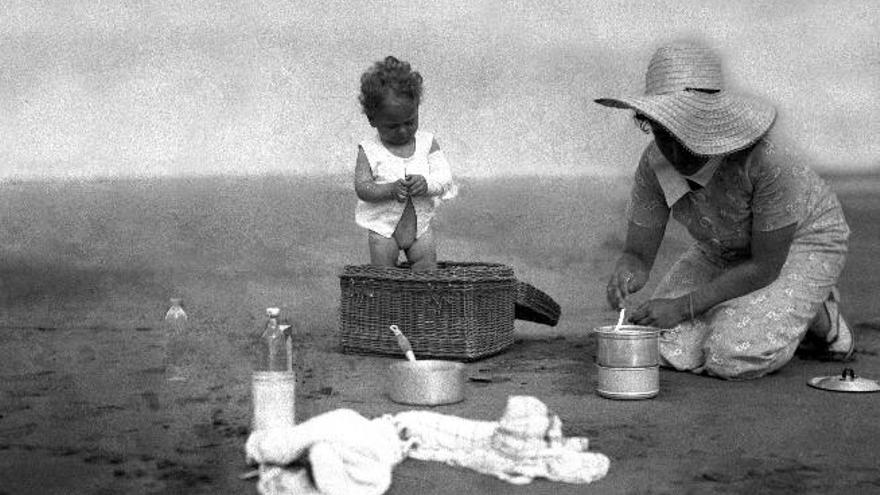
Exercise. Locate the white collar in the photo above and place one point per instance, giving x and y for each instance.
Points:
(675, 185)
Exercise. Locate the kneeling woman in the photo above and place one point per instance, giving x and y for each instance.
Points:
(770, 236)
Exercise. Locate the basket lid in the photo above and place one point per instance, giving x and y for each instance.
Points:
(534, 305)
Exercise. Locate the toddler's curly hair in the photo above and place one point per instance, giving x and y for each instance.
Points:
(389, 76)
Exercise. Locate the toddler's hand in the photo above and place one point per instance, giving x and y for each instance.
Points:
(401, 190)
(417, 185)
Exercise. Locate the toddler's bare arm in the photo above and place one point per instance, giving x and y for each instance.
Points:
(366, 187)
(439, 180)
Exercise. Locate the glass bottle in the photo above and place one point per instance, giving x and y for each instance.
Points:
(175, 333)
(274, 343)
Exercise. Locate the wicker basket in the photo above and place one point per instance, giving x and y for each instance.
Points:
(462, 311)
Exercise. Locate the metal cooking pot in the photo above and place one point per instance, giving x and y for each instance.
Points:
(426, 382)
(630, 346)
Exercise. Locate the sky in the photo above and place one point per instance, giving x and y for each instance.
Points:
(95, 89)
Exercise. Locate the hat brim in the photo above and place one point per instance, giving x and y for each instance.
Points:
(706, 124)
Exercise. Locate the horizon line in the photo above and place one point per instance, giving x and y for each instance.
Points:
(861, 172)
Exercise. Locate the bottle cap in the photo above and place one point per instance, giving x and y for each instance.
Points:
(273, 312)
(176, 300)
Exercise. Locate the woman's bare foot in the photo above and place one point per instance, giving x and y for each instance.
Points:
(829, 331)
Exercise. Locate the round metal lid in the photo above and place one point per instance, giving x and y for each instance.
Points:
(627, 330)
(846, 382)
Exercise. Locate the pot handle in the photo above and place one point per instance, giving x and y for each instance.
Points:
(403, 342)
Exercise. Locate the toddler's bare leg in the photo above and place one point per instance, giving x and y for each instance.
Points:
(423, 253)
(383, 250)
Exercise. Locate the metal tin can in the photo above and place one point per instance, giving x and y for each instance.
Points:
(630, 346)
(628, 383)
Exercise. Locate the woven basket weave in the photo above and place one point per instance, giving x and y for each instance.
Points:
(532, 304)
(462, 311)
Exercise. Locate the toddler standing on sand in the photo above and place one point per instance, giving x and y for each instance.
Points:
(401, 175)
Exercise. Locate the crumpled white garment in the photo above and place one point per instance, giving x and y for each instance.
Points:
(348, 455)
(526, 443)
(351, 455)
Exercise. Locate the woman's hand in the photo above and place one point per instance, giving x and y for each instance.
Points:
(624, 281)
(661, 313)
(632, 269)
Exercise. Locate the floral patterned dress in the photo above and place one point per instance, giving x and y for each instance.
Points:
(763, 188)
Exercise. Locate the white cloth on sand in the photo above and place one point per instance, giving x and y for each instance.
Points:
(347, 453)
(526, 443)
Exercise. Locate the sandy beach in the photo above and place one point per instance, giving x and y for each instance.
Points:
(87, 269)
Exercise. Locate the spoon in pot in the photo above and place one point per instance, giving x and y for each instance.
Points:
(620, 319)
(403, 342)
(622, 308)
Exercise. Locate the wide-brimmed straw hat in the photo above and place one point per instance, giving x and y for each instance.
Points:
(684, 93)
